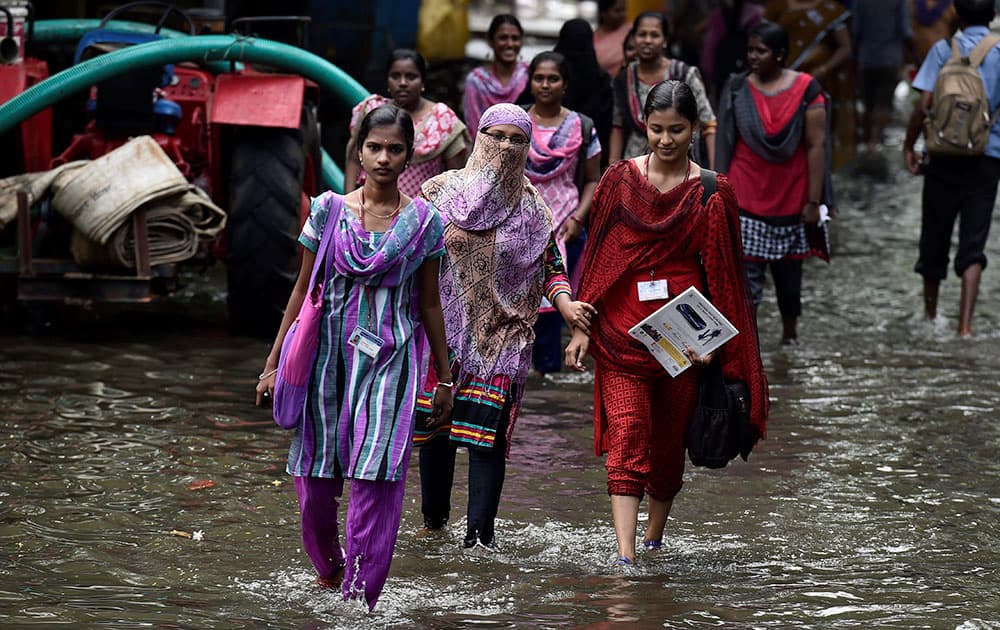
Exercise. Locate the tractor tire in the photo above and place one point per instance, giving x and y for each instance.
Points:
(265, 192)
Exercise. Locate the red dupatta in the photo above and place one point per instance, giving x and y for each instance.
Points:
(633, 224)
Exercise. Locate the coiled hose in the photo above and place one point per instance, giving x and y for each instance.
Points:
(201, 48)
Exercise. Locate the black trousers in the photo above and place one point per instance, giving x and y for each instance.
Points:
(963, 188)
(787, 276)
(487, 470)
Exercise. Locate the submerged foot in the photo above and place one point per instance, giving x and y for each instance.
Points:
(333, 582)
(431, 532)
(623, 565)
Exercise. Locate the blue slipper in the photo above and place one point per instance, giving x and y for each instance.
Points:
(652, 545)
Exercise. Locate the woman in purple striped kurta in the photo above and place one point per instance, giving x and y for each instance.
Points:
(381, 308)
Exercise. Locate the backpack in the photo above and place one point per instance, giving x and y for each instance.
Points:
(959, 119)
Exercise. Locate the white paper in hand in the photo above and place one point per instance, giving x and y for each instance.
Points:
(687, 321)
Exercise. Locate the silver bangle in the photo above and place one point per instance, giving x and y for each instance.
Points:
(443, 384)
(263, 375)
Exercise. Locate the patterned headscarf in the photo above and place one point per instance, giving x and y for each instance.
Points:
(491, 186)
(498, 228)
(506, 114)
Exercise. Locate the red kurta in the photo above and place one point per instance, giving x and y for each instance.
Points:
(634, 229)
(769, 189)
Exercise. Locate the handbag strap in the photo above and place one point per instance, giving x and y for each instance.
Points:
(709, 183)
(335, 206)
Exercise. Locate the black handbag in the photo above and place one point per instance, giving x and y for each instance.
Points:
(720, 428)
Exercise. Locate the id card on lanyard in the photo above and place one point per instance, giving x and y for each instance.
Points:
(363, 337)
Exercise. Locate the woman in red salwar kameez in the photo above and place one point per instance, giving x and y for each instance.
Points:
(651, 227)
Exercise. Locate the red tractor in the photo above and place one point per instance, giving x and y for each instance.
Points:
(248, 137)
(18, 72)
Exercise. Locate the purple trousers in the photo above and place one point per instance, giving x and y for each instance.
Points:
(374, 510)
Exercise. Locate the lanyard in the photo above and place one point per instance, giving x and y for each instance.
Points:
(369, 297)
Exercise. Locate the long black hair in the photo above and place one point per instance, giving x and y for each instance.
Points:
(675, 95)
(550, 55)
(653, 15)
(500, 20)
(387, 115)
(774, 37)
(401, 54)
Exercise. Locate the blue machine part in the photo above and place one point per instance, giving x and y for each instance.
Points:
(120, 39)
(168, 115)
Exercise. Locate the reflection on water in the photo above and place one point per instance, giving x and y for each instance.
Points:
(874, 502)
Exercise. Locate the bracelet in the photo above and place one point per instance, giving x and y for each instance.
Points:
(572, 217)
(264, 375)
(443, 384)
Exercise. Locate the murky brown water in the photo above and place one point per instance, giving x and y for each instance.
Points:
(874, 502)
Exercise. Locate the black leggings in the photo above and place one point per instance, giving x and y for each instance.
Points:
(787, 276)
(487, 470)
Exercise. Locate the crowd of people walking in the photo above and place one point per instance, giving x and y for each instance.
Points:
(585, 188)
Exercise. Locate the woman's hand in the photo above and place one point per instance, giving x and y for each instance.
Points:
(810, 213)
(577, 349)
(578, 315)
(265, 387)
(571, 229)
(443, 403)
(699, 359)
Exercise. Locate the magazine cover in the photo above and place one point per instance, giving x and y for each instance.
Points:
(687, 321)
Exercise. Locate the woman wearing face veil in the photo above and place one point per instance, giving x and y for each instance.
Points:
(502, 259)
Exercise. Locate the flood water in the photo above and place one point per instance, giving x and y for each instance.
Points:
(873, 502)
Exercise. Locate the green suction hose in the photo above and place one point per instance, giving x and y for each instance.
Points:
(201, 48)
(71, 30)
(48, 31)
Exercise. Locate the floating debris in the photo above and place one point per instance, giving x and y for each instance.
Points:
(196, 535)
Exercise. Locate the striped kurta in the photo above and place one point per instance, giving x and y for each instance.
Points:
(361, 408)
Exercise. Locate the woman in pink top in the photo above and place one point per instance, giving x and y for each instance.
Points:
(441, 142)
(564, 164)
(612, 28)
(504, 79)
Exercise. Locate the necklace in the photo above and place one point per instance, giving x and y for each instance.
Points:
(645, 171)
(399, 203)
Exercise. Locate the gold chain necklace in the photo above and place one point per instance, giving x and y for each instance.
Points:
(399, 203)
